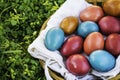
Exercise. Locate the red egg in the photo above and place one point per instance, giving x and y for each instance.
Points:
(94, 41)
(92, 13)
(72, 45)
(112, 44)
(78, 64)
(109, 25)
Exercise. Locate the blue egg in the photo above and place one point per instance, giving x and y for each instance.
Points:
(54, 38)
(86, 28)
(102, 60)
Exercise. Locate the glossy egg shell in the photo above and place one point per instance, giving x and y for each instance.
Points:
(86, 28)
(54, 38)
(94, 41)
(102, 60)
(109, 25)
(92, 13)
(69, 24)
(112, 44)
(112, 7)
(78, 64)
(72, 45)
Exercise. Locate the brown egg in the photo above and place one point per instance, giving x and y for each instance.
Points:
(94, 41)
(92, 13)
(112, 7)
(69, 24)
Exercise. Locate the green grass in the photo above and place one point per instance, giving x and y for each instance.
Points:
(20, 22)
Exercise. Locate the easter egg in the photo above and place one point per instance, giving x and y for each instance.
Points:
(102, 60)
(77, 64)
(112, 44)
(109, 25)
(86, 28)
(72, 45)
(54, 38)
(94, 41)
(112, 7)
(92, 13)
(69, 24)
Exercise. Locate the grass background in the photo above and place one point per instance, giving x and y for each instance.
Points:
(20, 23)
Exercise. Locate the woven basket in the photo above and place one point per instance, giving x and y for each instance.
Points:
(57, 76)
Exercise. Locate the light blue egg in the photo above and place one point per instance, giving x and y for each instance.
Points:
(102, 60)
(54, 38)
(87, 27)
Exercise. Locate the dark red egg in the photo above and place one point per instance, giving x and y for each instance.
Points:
(78, 64)
(72, 45)
(109, 25)
(112, 44)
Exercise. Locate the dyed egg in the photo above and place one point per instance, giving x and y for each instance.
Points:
(112, 44)
(109, 25)
(77, 64)
(112, 7)
(72, 45)
(54, 38)
(94, 41)
(69, 24)
(102, 60)
(92, 13)
(86, 28)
